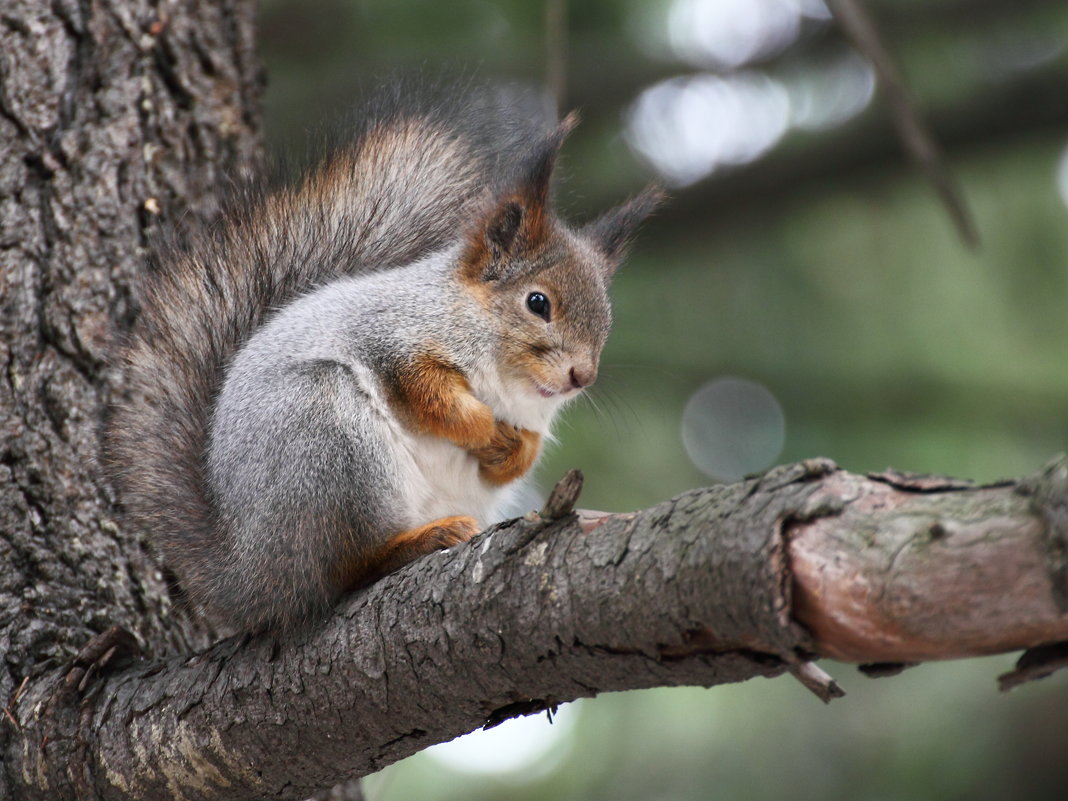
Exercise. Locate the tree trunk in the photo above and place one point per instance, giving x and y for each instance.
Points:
(116, 117)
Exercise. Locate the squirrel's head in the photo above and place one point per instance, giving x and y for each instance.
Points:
(545, 284)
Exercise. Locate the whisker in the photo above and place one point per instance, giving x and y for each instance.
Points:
(600, 400)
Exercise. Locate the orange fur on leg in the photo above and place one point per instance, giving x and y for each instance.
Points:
(407, 546)
(435, 398)
(510, 454)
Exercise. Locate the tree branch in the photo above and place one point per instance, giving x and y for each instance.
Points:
(919, 568)
(711, 587)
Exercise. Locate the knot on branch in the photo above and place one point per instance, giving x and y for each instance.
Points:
(564, 496)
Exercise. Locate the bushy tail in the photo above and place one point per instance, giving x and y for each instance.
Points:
(408, 183)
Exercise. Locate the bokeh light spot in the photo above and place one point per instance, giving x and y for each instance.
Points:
(732, 427)
(687, 127)
(826, 96)
(729, 33)
(725, 34)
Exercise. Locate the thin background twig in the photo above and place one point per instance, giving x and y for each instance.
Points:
(859, 26)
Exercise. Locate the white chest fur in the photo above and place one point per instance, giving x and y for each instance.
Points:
(440, 480)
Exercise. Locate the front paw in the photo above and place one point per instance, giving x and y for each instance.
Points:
(510, 453)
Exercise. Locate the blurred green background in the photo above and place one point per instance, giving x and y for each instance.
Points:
(802, 254)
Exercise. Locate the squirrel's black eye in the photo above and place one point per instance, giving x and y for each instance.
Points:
(539, 304)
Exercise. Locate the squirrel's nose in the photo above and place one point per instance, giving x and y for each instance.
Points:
(582, 376)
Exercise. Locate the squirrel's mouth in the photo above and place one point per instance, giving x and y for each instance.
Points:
(548, 392)
(543, 390)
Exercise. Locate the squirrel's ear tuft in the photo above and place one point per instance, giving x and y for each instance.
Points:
(535, 175)
(613, 231)
(520, 221)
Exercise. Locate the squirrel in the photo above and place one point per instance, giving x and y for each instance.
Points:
(352, 371)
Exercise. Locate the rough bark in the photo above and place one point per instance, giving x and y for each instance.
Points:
(915, 569)
(113, 115)
(710, 587)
